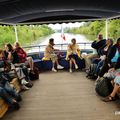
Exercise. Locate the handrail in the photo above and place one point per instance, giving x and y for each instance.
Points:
(55, 45)
(61, 46)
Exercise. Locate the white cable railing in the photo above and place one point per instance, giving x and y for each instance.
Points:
(39, 48)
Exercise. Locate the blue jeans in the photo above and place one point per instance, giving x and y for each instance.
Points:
(100, 64)
(8, 93)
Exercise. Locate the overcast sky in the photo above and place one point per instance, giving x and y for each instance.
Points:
(58, 26)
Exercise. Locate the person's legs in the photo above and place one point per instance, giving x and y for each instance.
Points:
(88, 59)
(8, 99)
(111, 97)
(116, 86)
(21, 76)
(5, 96)
(53, 66)
(70, 64)
(25, 72)
(103, 70)
(115, 90)
(20, 73)
(30, 62)
(54, 59)
(74, 62)
(99, 65)
(96, 61)
(12, 92)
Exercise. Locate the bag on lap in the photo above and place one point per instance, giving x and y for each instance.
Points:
(103, 87)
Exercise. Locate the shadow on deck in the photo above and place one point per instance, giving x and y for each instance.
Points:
(64, 96)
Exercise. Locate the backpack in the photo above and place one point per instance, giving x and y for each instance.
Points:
(34, 76)
(92, 70)
(104, 87)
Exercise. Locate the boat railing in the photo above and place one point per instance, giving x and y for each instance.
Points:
(40, 48)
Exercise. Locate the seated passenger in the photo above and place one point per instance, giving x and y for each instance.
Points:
(103, 52)
(23, 56)
(10, 69)
(6, 91)
(73, 52)
(49, 54)
(111, 60)
(115, 76)
(10, 54)
(95, 45)
(9, 94)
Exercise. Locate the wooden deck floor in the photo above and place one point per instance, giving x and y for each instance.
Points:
(64, 96)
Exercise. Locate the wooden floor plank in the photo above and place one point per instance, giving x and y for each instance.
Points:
(63, 96)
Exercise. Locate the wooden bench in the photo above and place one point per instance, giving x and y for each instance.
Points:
(3, 107)
(16, 84)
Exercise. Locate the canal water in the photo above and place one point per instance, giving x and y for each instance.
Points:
(60, 43)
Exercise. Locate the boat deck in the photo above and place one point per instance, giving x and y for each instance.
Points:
(63, 96)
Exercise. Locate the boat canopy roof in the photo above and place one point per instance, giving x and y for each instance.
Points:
(53, 11)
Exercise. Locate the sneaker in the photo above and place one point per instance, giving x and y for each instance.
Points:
(24, 82)
(76, 66)
(54, 70)
(19, 98)
(29, 85)
(24, 88)
(60, 67)
(70, 70)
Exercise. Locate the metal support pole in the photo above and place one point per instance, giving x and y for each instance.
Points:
(16, 34)
(106, 29)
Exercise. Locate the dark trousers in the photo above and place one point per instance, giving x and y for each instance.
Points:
(105, 69)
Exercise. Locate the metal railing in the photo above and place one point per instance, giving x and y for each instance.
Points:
(39, 48)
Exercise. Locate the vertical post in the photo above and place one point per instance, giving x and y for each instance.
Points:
(16, 34)
(106, 29)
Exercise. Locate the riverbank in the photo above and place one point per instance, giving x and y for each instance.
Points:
(27, 35)
(96, 27)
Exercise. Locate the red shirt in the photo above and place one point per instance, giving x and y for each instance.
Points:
(21, 54)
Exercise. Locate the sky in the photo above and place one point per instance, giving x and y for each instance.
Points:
(58, 26)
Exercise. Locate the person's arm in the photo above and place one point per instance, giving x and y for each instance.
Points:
(10, 57)
(98, 44)
(48, 49)
(56, 49)
(110, 55)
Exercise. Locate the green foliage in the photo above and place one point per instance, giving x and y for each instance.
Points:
(96, 27)
(26, 34)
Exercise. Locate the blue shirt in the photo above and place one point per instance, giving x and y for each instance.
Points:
(115, 58)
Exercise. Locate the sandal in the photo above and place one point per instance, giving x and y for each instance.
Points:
(108, 99)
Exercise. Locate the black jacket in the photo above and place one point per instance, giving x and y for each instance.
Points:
(15, 56)
(96, 45)
(102, 52)
(111, 54)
